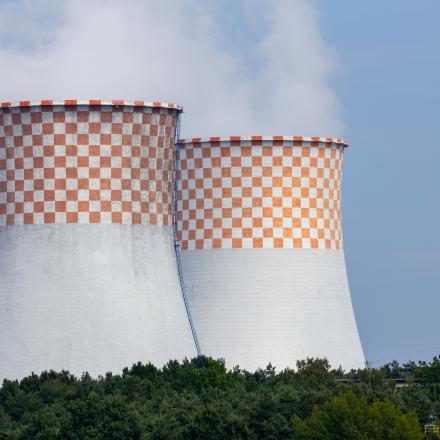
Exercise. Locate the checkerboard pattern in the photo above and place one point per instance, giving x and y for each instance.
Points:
(86, 162)
(278, 192)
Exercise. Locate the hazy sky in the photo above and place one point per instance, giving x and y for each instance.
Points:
(390, 91)
(368, 71)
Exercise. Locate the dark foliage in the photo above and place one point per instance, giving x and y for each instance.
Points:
(201, 399)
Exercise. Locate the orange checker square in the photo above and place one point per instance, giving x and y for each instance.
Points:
(38, 206)
(49, 217)
(225, 151)
(246, 171)
(200, 224)
(287, 233)
(257, 243)
(227, 192)
(60, 139)
(267, 191)
(277, 161)
(237, 243)
(236, 161)
(277, 222)
(305, 212)
(278, 243)
(237, 222)
(60, 206)
(287, 191)
(257, 161)
(49, 173)
(94, 194)
(94, 217)
(267, 232)
(38, 162)
(217, 243)
(277, 181)
(257, 202)
(71, 173)
(106, 206)
(18, 163)
(236, 202)
(296, 222)
(71, 195)
(83, 183)
(28, 219)
(305, 193)
(305, 151)
(71, 150)
(267, 171)
(227, 233)
(257, 222)
(116, 195)
(60, 161)
(83, 206)
(277, 202)
(226, 172)
(247, 232)
(116, 217)
(226, 212)
(246, 212)
(49, 195)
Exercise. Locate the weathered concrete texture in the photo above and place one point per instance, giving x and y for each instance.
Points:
(255, 306)
(89, 298)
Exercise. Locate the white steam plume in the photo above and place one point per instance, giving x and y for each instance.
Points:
(267, 71)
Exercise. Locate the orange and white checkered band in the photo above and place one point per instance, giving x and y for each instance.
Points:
(68, 102)
(86, 162)
(259, 192)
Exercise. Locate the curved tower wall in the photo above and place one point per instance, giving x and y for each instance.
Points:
(259, 228)
(88, 277)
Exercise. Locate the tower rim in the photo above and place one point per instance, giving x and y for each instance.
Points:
(258, 140)
(90, 102)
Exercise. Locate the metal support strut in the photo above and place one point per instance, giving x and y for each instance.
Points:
(176, 242)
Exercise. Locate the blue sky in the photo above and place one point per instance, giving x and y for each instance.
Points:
(368, 71)
(390, 90)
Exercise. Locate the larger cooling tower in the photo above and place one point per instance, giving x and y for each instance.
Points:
(259, 228)
(88, 276)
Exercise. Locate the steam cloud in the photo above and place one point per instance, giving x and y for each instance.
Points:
(240, 67)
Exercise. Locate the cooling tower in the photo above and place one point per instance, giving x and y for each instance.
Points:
(259, 229)
(88, 276)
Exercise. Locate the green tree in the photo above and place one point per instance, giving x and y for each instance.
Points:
(350, 417)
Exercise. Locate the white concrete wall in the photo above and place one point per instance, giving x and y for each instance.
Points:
(89, 298)
(255, 306)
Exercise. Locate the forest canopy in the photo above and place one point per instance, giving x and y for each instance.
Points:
(201, 399)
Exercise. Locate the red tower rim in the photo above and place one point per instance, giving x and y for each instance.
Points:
(258, 140)
(73, 102)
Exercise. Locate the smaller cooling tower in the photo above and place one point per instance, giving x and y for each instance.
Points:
(259, 228)
(88, 275)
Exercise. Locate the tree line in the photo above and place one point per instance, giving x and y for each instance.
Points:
(201, 399)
